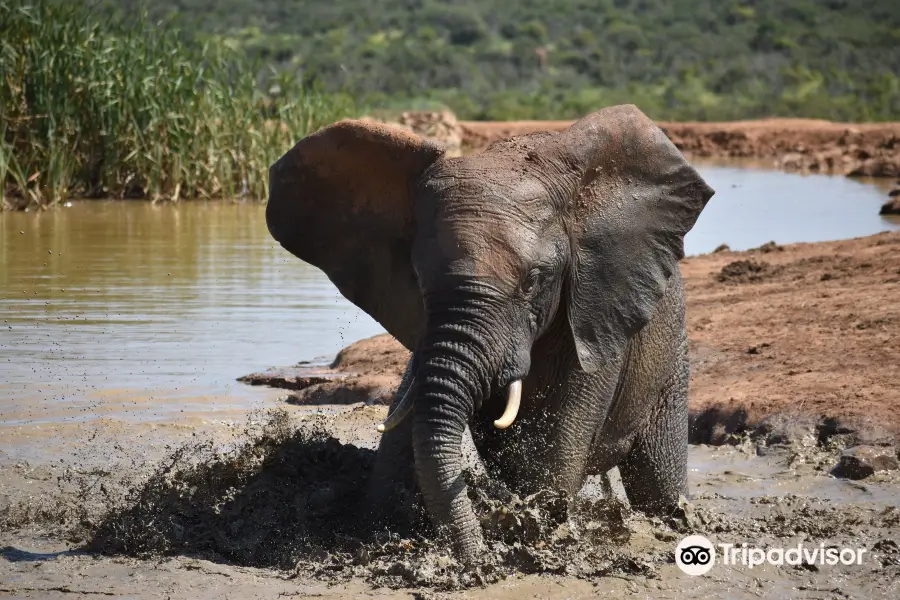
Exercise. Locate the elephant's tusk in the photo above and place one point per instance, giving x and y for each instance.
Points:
(399, 413)
(513, 401)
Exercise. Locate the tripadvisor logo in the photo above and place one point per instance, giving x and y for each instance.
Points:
(696, 555)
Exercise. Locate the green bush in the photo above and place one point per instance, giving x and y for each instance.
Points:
(102, 106)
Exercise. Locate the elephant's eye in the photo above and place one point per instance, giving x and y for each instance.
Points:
(530, 282)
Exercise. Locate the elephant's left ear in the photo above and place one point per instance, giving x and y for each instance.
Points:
(634, 198)
(341, 199)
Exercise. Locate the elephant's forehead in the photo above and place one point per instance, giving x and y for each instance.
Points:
(501, 188)
(489, 249)
(486, 226)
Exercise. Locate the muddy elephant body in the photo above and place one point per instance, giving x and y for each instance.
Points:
(537, 285)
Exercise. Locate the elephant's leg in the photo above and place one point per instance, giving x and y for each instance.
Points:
(548, 446)
(583, 409)
(392, 482)
(654, 472)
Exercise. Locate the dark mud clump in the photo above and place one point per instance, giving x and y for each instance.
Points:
(293, 499)
(745, 271)
(768, 247)
(271, 501)
(545, 533)
(892, 206)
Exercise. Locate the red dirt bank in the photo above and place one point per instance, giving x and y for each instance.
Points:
(865, 149)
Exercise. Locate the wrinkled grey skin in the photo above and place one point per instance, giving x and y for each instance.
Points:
(551, 258)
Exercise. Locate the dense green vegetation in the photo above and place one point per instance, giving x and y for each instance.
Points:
(96, 106)
(508, 59)
(96, 101)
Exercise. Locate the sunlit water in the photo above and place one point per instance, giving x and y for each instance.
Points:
(753, 206)
(155, 309)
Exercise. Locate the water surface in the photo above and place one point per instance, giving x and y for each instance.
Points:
(133, 310)
(161, 306)
(753, 205)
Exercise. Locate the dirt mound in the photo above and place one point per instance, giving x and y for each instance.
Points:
(892, 206)
(871, 150)
(745, 271)
(440, 126)
(299, 377)
(366, 371)
(377, 355)
(824, 333)
(768, 247)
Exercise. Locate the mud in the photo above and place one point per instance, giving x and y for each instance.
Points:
(745, 271)
(892, 206)
(804, 145)
(291, 497)
(279, 511)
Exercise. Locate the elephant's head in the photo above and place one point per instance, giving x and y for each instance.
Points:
(467, 261)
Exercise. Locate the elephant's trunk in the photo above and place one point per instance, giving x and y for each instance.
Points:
(452, 381)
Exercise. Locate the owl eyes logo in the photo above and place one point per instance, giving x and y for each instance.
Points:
(695, 555)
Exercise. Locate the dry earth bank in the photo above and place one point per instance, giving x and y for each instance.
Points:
(807, 145)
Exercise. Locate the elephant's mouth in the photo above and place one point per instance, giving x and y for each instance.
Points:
(405, 406)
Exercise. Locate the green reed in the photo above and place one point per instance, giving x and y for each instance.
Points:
(97, 106)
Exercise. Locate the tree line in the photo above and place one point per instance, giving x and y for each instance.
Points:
(515, 59)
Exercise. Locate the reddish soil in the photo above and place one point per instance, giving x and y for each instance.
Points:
(805, 330)
(804, 334)
(864, 149)
(367, 371)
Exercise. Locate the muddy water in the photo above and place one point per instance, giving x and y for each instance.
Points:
(127, 310)
(222, 527)
(138, 311)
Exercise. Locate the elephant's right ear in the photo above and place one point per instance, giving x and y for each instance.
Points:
(341, 200)
(634, 197)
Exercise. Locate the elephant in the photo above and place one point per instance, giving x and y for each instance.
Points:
(536, 284)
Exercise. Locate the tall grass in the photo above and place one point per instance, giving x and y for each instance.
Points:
(96, 106)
